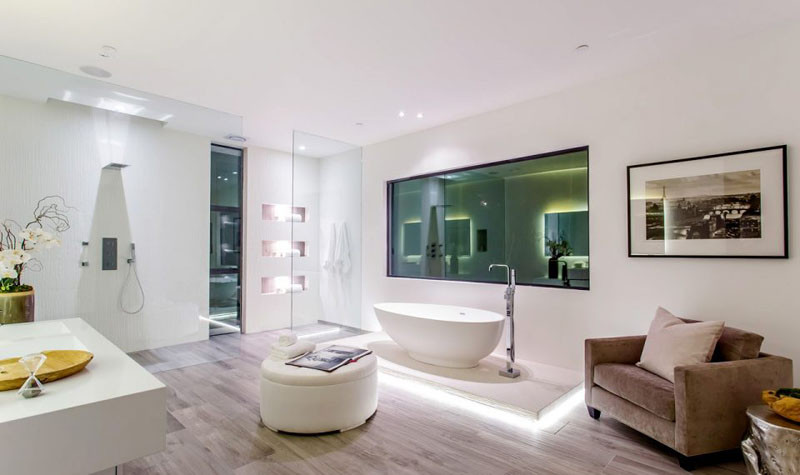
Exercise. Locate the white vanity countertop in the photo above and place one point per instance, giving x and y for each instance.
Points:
(109, 375)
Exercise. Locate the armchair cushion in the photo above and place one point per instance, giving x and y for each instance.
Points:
(646, 390)
(735, 344)
(672, 342)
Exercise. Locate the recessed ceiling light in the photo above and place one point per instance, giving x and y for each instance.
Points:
(582, 48)
(108, 51)
(219, 178)
(226, 179)
(236, 138)
(401, 114)
(301, 147)
(419, 115)
(95, 71)
(235, 173)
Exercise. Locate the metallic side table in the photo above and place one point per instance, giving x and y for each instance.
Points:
(771, 445)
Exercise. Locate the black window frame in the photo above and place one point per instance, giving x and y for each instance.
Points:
(389, 194)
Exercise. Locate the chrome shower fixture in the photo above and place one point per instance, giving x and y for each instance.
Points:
(511, 277)
(132, 272)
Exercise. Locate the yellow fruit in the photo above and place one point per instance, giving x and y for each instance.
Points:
(768, 396)
(786, 406)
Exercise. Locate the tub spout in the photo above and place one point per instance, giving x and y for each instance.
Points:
(511, 278)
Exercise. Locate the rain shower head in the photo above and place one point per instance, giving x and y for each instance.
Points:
(115, 166)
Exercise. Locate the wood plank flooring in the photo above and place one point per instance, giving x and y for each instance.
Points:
(214, 428)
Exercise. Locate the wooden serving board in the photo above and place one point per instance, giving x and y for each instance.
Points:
(59, 364)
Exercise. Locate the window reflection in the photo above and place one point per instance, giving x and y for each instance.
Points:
(529, 213)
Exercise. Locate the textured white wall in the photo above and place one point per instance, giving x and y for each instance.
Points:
(161, 202)
(739, 96)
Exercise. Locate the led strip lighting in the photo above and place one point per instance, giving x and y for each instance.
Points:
(432, 393)
(219, 323)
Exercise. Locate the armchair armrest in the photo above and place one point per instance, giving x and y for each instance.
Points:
(624, 349)
(711, 400)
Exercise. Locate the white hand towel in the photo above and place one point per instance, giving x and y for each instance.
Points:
(342, 261)
(286, 338)
(291, 351)
(294, 288)
(291, 218)
(330, 257)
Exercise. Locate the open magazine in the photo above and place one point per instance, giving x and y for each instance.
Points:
(330, 358)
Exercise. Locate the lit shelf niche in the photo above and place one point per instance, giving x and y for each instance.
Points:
(281, 285)
(283, 213)
(284, 249)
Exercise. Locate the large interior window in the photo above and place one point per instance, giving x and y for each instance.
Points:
(531, 213)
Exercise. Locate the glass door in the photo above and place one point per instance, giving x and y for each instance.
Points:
(326, 233)
(225, 257)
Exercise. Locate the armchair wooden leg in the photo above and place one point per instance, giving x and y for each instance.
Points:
(593, 413)
(687, 463)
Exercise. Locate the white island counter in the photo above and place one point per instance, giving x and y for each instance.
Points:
(110, 413)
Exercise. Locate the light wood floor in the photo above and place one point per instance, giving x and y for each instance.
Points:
(214, 428)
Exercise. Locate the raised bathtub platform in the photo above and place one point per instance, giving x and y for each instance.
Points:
(539, 389)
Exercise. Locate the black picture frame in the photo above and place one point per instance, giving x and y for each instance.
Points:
(783, 201)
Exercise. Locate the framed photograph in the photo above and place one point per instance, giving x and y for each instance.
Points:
(725, 205)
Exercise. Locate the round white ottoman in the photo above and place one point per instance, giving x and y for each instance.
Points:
(310, 401)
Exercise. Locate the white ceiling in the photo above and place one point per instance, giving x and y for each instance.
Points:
(38, 83)
(323, 65)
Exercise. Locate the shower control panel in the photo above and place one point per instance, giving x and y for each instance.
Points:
(109, 254)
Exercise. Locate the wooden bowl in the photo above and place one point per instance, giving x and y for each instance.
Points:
(59, 364)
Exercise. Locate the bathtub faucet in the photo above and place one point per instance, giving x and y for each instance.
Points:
(511, 278)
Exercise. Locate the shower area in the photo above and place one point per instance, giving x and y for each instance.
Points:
(310, 240)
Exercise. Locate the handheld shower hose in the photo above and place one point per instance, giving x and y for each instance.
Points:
(131, 270)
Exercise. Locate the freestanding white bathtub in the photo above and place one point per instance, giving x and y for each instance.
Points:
(442, 335)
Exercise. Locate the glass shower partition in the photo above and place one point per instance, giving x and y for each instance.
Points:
(325, 237)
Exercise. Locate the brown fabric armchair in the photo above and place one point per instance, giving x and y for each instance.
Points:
(703, 412)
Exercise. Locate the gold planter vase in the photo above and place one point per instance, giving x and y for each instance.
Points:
(16, 307)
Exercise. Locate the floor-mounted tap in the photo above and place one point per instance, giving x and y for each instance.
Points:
(511, 278)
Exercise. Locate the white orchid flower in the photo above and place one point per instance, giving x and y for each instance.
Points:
(29, 235)
(22, 256)
(6, 273)
(13, 257)
(7, 259)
